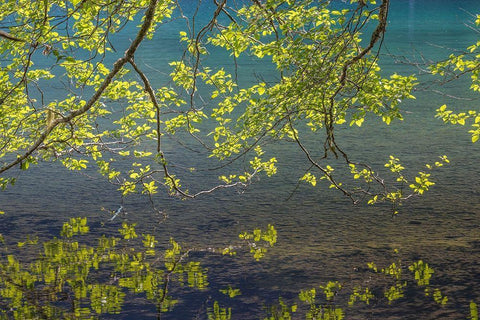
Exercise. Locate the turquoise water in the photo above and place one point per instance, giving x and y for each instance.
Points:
(321, 235)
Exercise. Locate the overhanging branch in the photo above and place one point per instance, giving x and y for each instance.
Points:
(117, 67)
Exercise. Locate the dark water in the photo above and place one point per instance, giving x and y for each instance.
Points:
(321, 236)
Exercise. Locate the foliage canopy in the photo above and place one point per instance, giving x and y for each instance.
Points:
(111, 115)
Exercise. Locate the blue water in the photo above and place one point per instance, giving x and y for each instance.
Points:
(321, 235)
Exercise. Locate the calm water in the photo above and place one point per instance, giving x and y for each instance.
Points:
(321, 235)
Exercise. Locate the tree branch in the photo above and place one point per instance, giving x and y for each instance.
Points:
(117, 66)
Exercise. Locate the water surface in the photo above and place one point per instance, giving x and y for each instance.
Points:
(321, 235)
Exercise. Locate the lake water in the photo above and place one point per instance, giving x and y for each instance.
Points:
(321, 235)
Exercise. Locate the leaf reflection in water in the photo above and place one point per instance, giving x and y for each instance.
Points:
(71, 280)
